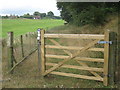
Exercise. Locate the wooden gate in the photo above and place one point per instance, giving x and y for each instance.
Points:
(95, 71)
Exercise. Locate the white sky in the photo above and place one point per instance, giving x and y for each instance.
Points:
(20, 7)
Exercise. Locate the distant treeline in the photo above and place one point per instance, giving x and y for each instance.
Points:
(35, 15)
(82, 13)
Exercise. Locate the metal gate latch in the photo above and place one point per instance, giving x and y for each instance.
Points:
(103, 42)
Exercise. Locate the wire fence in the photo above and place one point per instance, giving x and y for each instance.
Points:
(24, 44)
(19, 48)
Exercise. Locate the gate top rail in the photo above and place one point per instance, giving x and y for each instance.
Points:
(82, 36)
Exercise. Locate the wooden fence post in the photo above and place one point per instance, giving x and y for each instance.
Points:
(42, 52)
(29, 40)
(10, 50)
(118, 59)
(22, 50)
(106, 57)
(112, 57)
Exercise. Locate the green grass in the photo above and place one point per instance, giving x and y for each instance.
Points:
(22, 26)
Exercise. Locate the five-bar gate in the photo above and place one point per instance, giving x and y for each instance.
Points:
(96, 39)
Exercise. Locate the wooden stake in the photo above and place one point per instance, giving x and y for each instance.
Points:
(22, 50)
(10, 50)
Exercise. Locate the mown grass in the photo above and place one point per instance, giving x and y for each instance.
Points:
(22, 26)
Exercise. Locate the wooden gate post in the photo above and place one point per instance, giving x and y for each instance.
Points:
(10, 50)
(118, 59)
(42, 52)
(106, 58)
(112, 58)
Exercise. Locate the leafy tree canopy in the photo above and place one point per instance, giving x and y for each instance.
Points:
(36, 13)
(50, 14)
(81, 13)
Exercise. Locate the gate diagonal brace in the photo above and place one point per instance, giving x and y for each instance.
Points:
(70, 54)
(70, 57)
(94, 73)
(56, 43)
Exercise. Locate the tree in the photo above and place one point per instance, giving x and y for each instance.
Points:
(5, 17)
(82, 13)
(65, 13)
(28, 16)
(36, 13)
(42, 15)
(50, 14)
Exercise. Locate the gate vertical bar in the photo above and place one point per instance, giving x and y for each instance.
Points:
(42, 52)
(106, 58)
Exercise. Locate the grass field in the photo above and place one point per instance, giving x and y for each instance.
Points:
(22, 26)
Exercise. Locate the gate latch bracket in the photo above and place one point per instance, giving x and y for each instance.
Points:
(103, 42)
(108, 75)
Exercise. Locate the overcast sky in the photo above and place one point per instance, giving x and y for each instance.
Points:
(20, 7)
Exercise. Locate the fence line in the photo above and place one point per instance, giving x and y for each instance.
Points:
(20, 48)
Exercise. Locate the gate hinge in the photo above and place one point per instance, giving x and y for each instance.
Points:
(103, 42)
